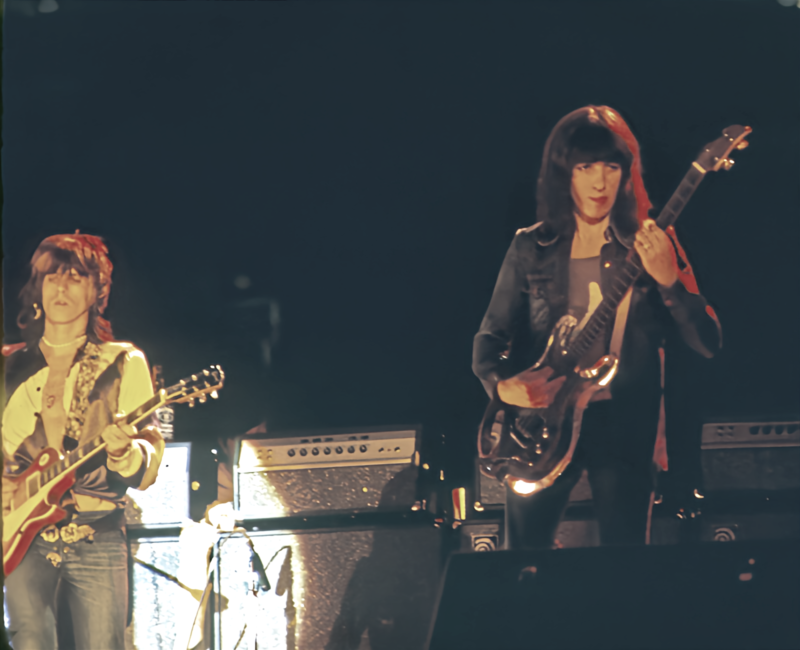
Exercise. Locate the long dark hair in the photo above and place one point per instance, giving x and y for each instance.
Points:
(86, 254)
(590, 134)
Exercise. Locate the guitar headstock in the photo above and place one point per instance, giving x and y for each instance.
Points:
(715, 154)
(196, 387)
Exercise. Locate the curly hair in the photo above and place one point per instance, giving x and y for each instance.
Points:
(587, 135)
(88, 255)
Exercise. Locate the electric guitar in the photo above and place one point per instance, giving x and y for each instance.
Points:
(535, 442)
(51, 474)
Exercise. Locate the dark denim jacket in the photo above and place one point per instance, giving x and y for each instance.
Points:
(531, 295)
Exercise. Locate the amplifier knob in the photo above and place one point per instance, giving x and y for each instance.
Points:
(351, 449)
(315, 451)
(362, 448)
(291, 453)
(327, 451)
(339, 450)
(304, 452)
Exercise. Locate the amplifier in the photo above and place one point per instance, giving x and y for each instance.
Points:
(727, 435)
(166, 502)
(342, 470)
(485, 532)
(488, 534)
(491, 494)
(731, 527)
(751, 455)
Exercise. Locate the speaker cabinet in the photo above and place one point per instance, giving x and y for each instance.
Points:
(751, 468)
(160, 605)
(490, 494)
(731, 596)
(336, 589)
(577, 529)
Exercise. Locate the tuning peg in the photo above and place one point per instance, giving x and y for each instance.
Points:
(727, 163)
(743, 144)
(191, 402)
(194, 377)
(202, 398)
(214, 394)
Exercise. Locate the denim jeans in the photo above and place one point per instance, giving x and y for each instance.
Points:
(94, 577)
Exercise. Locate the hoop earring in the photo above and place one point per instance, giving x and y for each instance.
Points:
(37, 313)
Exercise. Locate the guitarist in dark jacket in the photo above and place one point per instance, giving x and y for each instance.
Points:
(592, 207)
(64, 385)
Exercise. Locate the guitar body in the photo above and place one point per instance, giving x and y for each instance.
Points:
(32, 512)
(534, 438)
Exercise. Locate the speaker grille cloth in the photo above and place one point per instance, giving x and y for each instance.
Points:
(298, 491)
(332, 590)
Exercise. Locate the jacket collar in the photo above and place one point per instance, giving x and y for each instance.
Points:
(618, 228)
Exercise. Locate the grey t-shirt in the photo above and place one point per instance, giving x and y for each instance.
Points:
(584, 287)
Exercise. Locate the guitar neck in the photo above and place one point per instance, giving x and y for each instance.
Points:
(628, 273)
(680, 197)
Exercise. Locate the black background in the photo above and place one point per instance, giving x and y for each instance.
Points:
(366, 165)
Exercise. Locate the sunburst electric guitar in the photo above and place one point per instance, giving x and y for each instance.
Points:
(535, 442)
(36, 500)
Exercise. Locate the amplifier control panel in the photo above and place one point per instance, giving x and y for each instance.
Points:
(732, 435)
(328, 450)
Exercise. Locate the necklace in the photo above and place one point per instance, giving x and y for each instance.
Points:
(62, 345)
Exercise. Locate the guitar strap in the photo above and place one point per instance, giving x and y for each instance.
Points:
(88, 371)
(621, 319)
(615, 348)
(617, 334)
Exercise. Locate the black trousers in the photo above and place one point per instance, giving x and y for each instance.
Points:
(618, 456)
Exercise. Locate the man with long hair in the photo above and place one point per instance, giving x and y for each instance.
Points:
(592, 207)
(66, 384)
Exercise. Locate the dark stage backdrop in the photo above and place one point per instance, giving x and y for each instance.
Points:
(319, 195)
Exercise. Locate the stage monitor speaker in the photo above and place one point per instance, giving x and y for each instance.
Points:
(327, 472)
(710, 596)
(335, 589)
